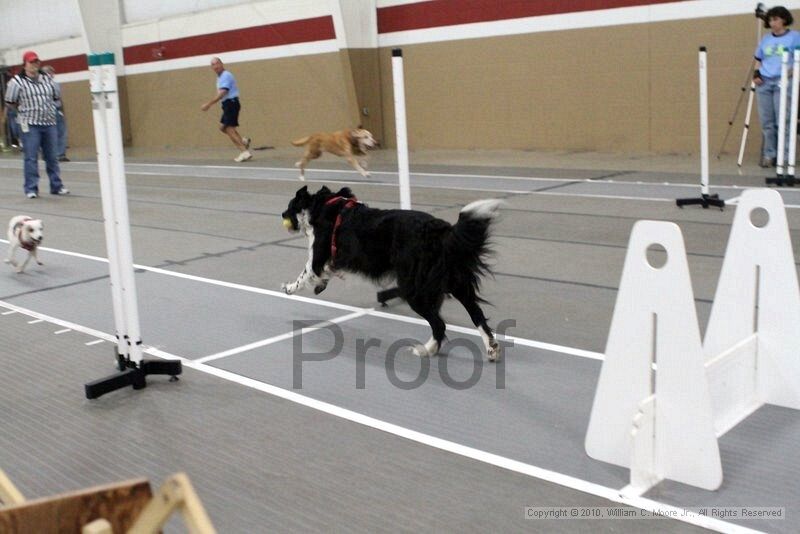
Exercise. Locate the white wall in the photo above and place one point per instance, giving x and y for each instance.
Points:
(147, 10)
(233, 15)
(28, 23)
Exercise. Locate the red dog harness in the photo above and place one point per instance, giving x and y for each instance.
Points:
(18, 231)
(348, 203)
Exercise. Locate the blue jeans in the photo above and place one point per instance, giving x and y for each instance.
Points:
(45, 137)
(11, 119)
(769, 101)
(61, 129)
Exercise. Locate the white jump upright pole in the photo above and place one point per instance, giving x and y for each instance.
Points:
(113, 187)
(119, 191)
(793, 116)
(706, 199)
(404, 181)
(400, 128)
(99, 105)
(703, 69)
(780, 167)
(780, 163)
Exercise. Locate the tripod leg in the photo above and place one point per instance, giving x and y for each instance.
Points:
(747, 81)
(746, 128)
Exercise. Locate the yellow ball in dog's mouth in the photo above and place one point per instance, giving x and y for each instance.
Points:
(287, 223)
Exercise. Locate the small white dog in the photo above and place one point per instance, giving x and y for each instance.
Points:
(24, 232)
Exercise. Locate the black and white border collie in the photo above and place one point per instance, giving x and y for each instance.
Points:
(428, 257)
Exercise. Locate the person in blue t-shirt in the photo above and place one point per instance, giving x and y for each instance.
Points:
(767, 77)
(228, 93)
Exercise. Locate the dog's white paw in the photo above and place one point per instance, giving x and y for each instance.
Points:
(289, 288)
(421, 351)
(431, 348)
(493, 353)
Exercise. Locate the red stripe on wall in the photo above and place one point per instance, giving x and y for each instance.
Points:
(296, 31)
(435, 13)
(61, 65)
(68, 64)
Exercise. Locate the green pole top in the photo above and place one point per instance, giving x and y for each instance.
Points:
(103, 58)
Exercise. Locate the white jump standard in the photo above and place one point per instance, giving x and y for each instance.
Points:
(113, 190)
(664, 398)
(403, 174)
(784, 171)
(706, 199)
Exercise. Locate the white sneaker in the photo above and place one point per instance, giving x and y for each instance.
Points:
(244, 156)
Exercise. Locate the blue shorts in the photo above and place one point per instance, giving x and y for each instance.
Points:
(230, 112)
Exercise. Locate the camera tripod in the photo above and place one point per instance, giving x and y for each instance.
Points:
(760, 14)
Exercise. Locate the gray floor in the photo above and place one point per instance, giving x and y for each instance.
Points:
(262, 463)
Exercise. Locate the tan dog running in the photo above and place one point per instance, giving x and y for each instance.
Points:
(347, 144)
(26, 233)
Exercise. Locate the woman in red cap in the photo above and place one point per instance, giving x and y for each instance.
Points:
(33, 95)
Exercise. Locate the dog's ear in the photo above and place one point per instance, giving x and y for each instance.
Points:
(302, 192)
(324, 189)
(345, 192)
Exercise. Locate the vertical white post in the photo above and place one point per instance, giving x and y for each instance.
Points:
(703, 121)
(779, 167)
(793, 119)
(99, 105)
(122, 222)
(400, 128)
(118, 210)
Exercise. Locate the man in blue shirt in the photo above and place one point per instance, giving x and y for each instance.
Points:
(228, 93)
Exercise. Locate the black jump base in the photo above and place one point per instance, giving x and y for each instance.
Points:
(132, 375)
(703, 200)
(781, 180)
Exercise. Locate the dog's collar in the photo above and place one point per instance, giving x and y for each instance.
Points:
(18, 231)
(348, 203)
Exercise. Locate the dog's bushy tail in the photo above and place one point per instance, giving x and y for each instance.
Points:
(302, 141)
(467, 247)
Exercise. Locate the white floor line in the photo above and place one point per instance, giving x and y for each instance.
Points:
(488, 189)
(35, 321)
(555, 477)
(62, 331)
(311, 172)
(279, 338)
(307, 300)
(66, 324)
(9, 312)
(631, 492)
(513, 339)
(95, 342)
